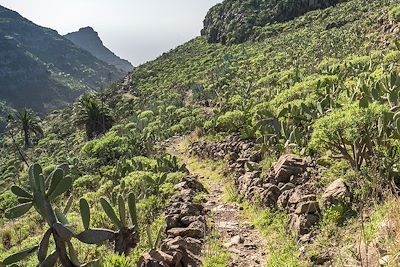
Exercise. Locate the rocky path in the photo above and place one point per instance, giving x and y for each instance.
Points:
(243, 242)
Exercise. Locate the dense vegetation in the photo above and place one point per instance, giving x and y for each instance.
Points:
(39, 63)
(324, 85)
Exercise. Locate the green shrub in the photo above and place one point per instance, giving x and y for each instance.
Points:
(87, 182)
(136, 180)
(7, 200)
(231, 121)
(392, 57)
(117, 261)
(351, 132)
(107, 149)
(394, 14)
(176, 129)
(146, 115)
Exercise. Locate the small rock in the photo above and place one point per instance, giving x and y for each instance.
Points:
(384, 261)
(320, 259)
(183, 232)
(287, 187)
(307, 207)
(252, 166)
(236, 240)
(250, 246)
(283, 199)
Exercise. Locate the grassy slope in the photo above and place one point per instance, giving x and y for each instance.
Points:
(281, 66)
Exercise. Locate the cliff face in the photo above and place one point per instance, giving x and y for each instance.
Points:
(233, 21)
(41, 69)
(88, 39)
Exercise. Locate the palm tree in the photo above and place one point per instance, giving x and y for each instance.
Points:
(28, 122)
(93, 114)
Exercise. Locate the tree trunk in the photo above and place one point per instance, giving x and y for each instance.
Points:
(26, 137)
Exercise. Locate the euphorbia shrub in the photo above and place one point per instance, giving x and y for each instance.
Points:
(351, 132)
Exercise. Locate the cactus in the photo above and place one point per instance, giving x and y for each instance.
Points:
(85, 213)
(126, 237)
(169, 163)
(41, 195)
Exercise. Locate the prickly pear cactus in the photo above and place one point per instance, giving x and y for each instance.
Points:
(40, 195)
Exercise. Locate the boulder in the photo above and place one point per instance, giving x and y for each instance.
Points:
(187, 220)
(283, 199)
(336, 193)
(287, 187)
(173, 221)
(307, 207)
(270, 195)
(253, 193)
(287, 166)
(245, 181)
(301, 224)
(298, 197)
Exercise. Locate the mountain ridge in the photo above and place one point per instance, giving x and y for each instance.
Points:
(41, 69)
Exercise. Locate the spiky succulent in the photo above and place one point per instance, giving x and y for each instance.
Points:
(41, 194)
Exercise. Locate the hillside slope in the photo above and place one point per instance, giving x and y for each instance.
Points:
(41, 69)
(298, 126)
(86, 38)
(234, 21)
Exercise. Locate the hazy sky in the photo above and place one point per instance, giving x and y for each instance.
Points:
(137, 30)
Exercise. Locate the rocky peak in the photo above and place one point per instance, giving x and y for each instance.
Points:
(87, 38)
(87, 29)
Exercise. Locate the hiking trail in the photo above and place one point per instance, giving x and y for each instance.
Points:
(241, 240)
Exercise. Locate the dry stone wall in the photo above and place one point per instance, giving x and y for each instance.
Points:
(185, 230)
(290, 184)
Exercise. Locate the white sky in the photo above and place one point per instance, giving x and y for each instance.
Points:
(137, 30)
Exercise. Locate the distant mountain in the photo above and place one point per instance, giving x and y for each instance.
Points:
(89, 40)
(41, 69)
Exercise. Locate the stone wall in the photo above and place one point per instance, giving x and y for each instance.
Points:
(185, 230)
(291, 184)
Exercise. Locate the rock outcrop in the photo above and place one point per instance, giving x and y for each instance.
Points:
(233, 21)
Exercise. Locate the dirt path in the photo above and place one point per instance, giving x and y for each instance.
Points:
(244, 243)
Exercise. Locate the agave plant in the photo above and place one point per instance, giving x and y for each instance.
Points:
(41, 196)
